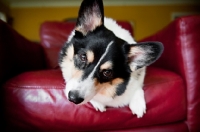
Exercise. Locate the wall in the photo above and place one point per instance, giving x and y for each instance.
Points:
(4, 9)
(147, 19)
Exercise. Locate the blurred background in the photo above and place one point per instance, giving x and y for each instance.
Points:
(147, 16)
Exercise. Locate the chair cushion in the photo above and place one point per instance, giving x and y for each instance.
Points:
(36, 101)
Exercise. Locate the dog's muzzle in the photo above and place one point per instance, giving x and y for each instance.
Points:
(74, 97)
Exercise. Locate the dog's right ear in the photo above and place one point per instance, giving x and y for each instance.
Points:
(91, 16)
(142, 54)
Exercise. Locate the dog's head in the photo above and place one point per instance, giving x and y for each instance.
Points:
(95, 61)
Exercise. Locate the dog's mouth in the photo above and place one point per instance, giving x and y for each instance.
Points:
(74, 97)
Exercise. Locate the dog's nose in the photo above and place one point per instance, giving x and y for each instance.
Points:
(74, 97)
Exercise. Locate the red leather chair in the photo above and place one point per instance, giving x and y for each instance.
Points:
(32, 96)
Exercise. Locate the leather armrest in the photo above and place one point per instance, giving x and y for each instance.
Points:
(181, 55)
(17, 54)
(180, 40)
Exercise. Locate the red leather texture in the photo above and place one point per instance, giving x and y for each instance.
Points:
(54, 34)
(17, 53)
(181, 41)
(42, 104)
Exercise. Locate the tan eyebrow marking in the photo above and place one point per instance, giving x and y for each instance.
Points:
(106, 65)
(90, 56)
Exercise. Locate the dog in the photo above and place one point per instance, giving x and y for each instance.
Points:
(102, 64)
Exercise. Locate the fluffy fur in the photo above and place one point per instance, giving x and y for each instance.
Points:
(102, 64)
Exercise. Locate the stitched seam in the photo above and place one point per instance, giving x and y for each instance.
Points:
(34, 87)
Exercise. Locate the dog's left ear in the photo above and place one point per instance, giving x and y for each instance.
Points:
(91, 15)
(142, 54)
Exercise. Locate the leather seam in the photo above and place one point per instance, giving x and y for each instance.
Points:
(34, 87)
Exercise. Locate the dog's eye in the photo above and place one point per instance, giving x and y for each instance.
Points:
(107, 73)
(83, 57)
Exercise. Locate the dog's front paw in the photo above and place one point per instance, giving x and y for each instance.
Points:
(98, 106)
(137, 104)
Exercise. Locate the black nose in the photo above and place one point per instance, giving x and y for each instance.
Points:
(74, 97)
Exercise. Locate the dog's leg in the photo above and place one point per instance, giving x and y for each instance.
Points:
(137, 104)
(98, 106)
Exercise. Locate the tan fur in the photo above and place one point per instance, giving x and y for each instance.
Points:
(77, 74)
(109, 88)
(106, 65)
(90, 56)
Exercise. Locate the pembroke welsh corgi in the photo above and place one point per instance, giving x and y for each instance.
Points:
(102, 64)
